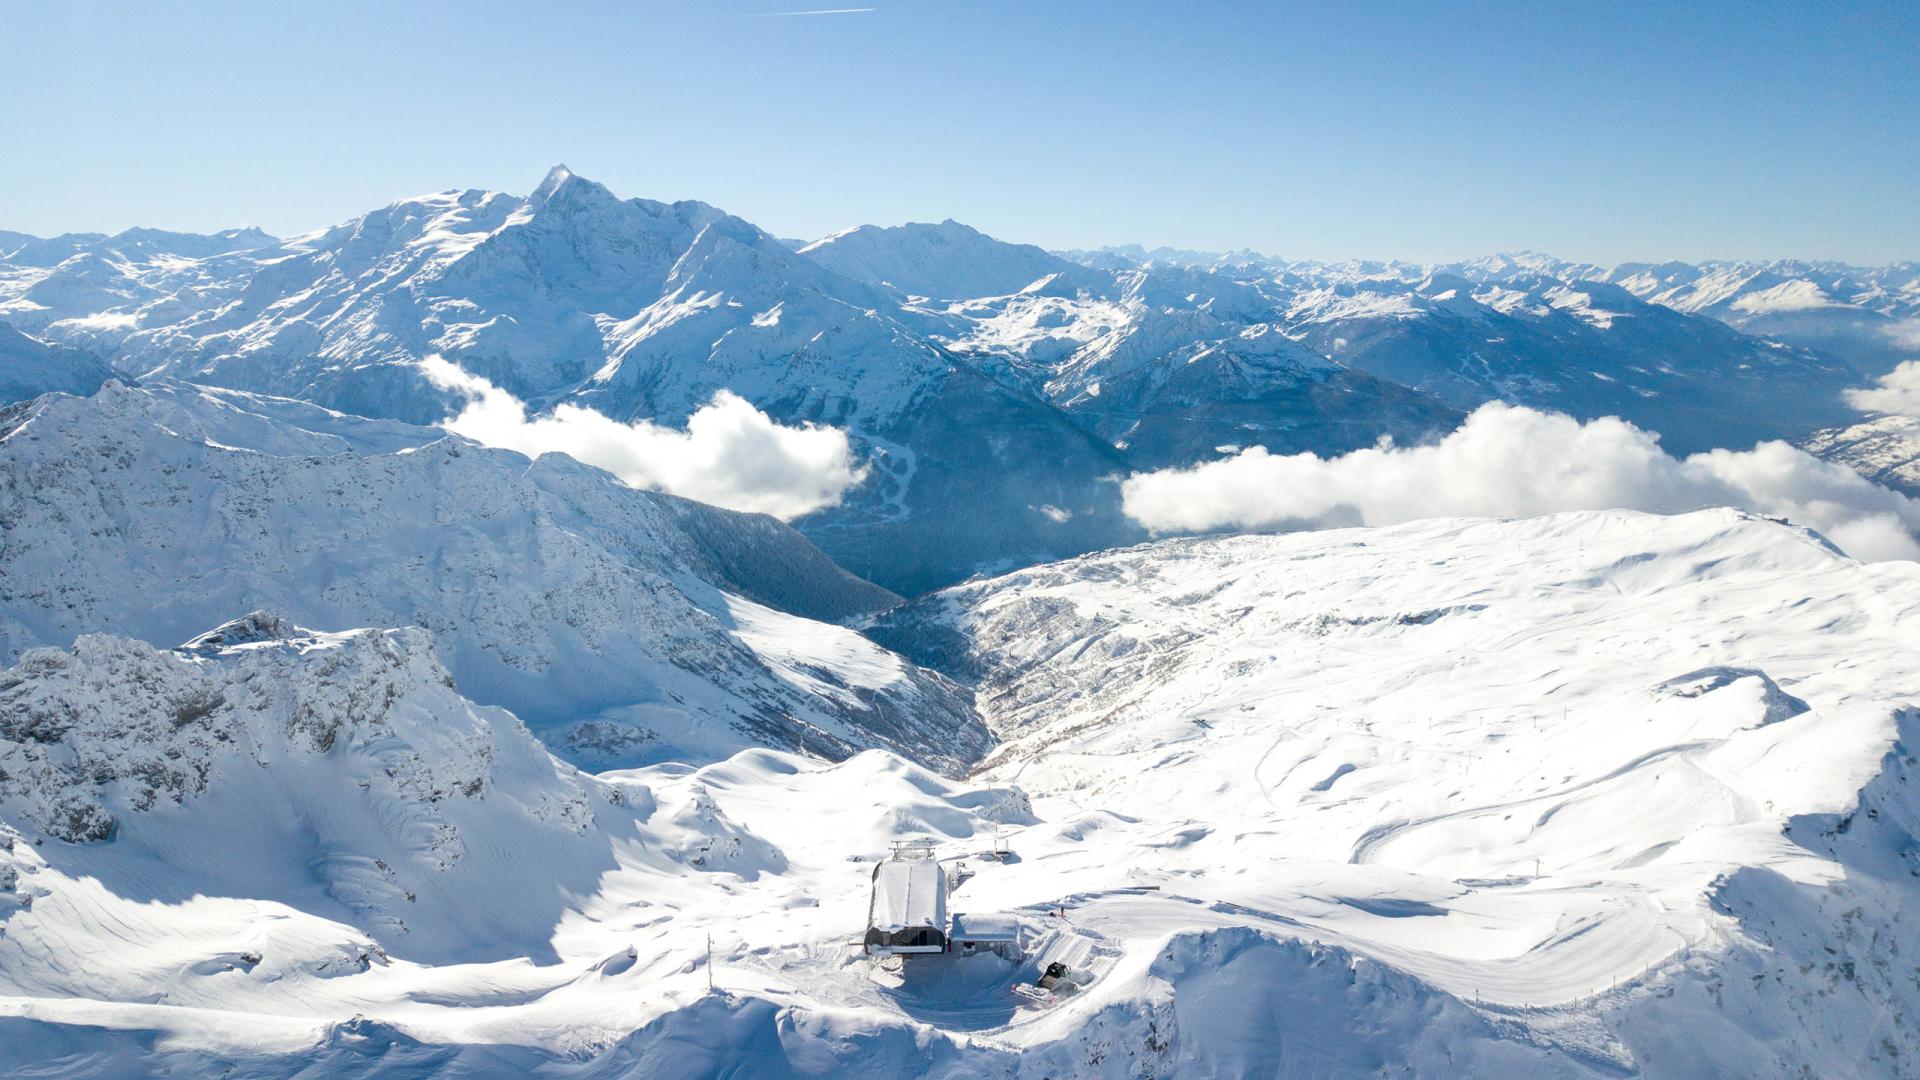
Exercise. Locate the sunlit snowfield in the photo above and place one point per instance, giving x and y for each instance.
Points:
(1563, 797)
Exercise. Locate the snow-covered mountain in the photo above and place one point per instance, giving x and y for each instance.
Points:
(1176, 385)
(626, 626)
(637, 309)
(1588, 349)
(1870, 315)
(1117, 345)
(1534, 330)
(92, 290)
(1170, 365)
(1866, 315)
(147, 245)
(30, 367)
(991, 390)
(1135, 256)
(1592, 795)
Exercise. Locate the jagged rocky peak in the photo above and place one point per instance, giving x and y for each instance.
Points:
(115, 726)
(253, 628)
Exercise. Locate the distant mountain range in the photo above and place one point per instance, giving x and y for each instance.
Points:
(994, 390)
(1867, 314)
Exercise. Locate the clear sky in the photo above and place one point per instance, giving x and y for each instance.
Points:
(1597, 131)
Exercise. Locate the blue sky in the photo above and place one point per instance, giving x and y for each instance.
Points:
(1596, 131)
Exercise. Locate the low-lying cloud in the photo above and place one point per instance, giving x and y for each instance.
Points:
(731, 454)
(1898, 392)
(1511, 461)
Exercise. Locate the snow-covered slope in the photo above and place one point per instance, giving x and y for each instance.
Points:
(254, 841)
(629, 626)
(301, 778)
(30, 367)
(1885, 450)
(948, 261)
(1638, 785)
(1593, 795)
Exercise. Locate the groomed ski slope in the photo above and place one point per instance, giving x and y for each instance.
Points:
(1590, 795)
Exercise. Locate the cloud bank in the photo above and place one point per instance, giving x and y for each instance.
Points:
(1510, 461)
(731, 454)
(1898, 392)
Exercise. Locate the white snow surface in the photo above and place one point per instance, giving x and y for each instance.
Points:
(1595, 794)
(948, 261)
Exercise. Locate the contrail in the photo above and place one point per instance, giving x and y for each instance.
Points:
(790, 14)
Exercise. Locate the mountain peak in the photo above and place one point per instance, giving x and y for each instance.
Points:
(950, 259)
(555, 177)
(564, 186)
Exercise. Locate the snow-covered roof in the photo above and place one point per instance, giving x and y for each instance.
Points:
(985, 926)
(908, 893)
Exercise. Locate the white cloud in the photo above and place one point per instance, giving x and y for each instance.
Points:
(1905, 333)
(1898, 392)
(1509, 461)
(731, 454)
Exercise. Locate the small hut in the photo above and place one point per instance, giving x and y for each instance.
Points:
(993, 932)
